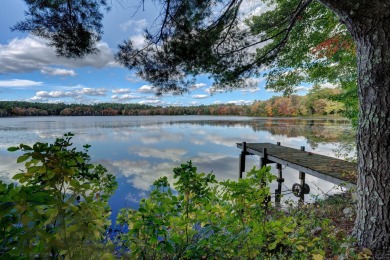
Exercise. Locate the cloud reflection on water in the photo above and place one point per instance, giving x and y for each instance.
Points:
(161, 136)
(138, 150)
(172, 154)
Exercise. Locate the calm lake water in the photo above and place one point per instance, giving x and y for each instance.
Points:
(138, 150)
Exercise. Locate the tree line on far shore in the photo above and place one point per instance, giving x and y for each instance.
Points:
(318, 101)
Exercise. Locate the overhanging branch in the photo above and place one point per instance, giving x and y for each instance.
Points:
(273, 52)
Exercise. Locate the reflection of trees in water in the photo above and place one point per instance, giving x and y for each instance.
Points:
(315, 131)
(346, 151)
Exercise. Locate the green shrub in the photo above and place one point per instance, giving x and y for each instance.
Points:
(60, 210)
(231, 219)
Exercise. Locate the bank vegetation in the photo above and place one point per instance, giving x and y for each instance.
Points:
(319, 101)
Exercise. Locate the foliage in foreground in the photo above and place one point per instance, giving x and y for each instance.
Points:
(61, 210)
(61, 207)
(232, 219)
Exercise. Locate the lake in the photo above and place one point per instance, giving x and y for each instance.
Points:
(138, 150)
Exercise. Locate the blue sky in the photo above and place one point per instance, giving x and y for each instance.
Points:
(30, 70)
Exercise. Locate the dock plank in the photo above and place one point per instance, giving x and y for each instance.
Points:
(324, 167)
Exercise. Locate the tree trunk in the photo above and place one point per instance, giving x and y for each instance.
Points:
(372, 227)
(369, 23)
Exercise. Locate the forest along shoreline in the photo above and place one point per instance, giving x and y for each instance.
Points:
(318, 102)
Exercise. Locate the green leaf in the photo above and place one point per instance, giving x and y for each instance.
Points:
(13, 149)
(41, 198)
(18, 176)
(74, 183)
(107, 256)
(273, 245)
(287, 229)
(23, 158)
(26, 147)
(153, 240)
(74, 208)
(50, 174)
(33, 169)
(25, 219)
(79, 159)
(317, 257)
(63, 252)
(169, 248)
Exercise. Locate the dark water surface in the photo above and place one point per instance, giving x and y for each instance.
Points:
(138, 150)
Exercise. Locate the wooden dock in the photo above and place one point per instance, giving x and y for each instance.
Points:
(324, 167)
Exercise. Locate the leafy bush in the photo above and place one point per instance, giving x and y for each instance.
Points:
(231, 219)
(61, 208)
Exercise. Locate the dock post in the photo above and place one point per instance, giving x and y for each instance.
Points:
(263, 158)
(242, 160)
(263, 162)
(302, 178)
(280, 180)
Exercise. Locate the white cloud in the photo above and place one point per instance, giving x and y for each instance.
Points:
(127, 97)
(151, 102)
(251, 82)
(200, 96)
(138, 40)
(301, 88)
(19, 83)
(133, 78)
(76, 94)
(194, 103)
(198, 141)
(54, 94)
(37, 99)
(32, 53)
(121, 91)
(160, 136)
(135, 25)
(78, 86)
(198, 86)
(253, 8)
(57, 72)
(136, 197)
(142, 174)
(92, 91)
(217, 102)
(8, 165)
(147, 89)
(213, 90)
(152, 97)
(240, 102)
(172, 154)
(251, 90)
